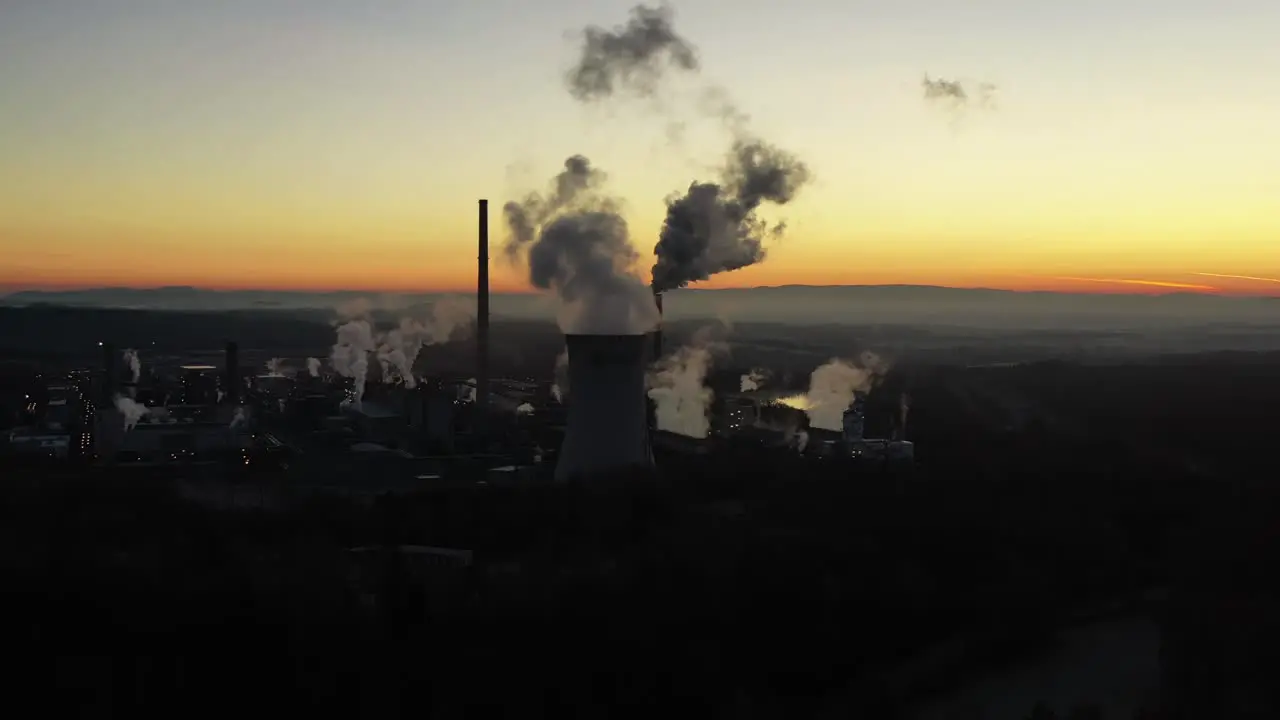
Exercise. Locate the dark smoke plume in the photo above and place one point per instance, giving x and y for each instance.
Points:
(631, 57)
(578, 246)
(955, 94)
(713, 228)
(578, 181)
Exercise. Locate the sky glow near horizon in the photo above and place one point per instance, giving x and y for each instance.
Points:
(1135, 146)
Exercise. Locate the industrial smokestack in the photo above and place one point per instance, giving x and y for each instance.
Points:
(657, 331)
(608, 417)
(231, 373)
(482, 316)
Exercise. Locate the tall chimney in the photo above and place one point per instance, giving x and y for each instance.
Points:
(231, 372)
(482, 316)
(657, 332)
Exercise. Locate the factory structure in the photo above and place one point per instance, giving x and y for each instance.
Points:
(221, 409)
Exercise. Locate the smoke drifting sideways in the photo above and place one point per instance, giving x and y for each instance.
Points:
(577, 245)
(956, 97)
(677, 386)
(714, 228)
(632, 57)
(832, 387)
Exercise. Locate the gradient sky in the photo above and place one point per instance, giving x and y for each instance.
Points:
(342, 144)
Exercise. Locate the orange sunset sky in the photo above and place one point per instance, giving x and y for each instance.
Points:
(1135, 146)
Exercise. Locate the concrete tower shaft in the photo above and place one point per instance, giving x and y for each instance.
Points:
(608, 419)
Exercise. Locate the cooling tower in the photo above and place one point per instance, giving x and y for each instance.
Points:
(607, 426)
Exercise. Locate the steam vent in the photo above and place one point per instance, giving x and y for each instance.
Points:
(607, 427)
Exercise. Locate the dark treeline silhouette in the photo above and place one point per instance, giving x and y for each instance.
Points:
(729, 589)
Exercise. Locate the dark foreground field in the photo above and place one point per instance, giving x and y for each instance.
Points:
(1048, 490)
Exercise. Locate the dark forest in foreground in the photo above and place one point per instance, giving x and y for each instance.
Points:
(737, 587)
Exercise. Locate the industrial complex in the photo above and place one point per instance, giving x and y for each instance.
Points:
(201, 413)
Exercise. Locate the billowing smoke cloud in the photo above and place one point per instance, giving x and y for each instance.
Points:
(832, 387)
(135, 364)
(524, 409)
(956, 97)
(396, 350)
(579, 247)
(633, 57)
(275, 367)
(313, 367)
(238, 418)
(577, 180)
(132, 410)
(714, 228)
(350, 356)
(560, 388)
(752, 381)
(677, 386)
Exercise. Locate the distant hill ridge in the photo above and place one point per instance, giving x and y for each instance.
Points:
(796, 304)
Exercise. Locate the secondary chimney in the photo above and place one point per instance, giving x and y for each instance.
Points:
(482, 317)
(607, 427)
(231, 373)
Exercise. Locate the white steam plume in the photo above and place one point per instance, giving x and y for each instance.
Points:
(350, 357)
(524, 409)
(275, 367)
(313, 367)
(135, 364)
(132, 410)
(577, 245)
(752, 381)
(832, 387)
(560, 388)
(238, 418)
(677, 386)
(398, 349)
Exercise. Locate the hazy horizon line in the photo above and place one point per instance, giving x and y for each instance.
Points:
(1150, 291)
